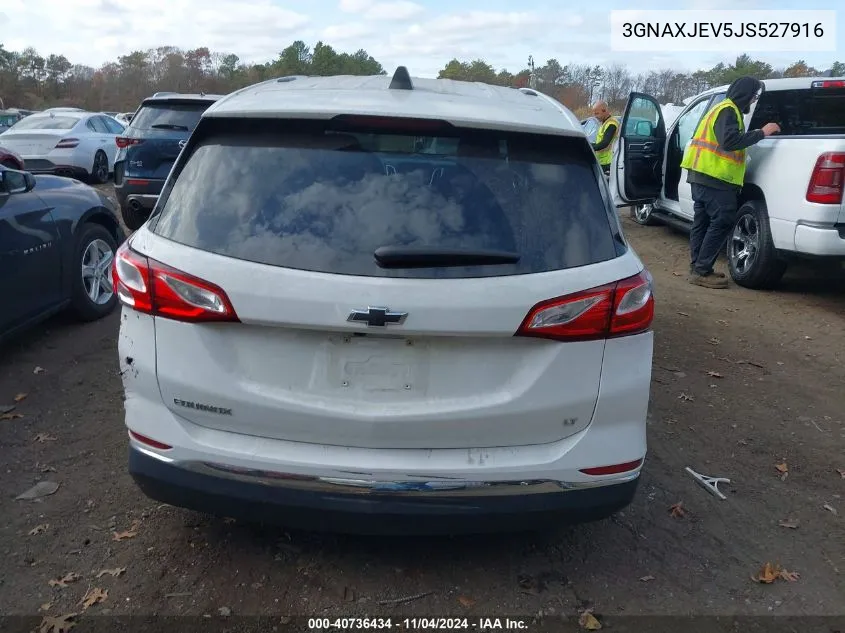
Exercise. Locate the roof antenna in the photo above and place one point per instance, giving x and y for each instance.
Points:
(401, 80)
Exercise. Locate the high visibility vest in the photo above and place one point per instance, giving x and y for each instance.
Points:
(704, 155)
(606, 154)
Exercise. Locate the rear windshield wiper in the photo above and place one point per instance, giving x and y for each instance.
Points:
(170, 126)
(432, 257)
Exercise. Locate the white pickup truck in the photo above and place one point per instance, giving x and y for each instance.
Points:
(792, 202)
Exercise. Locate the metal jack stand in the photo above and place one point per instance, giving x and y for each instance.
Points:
(711, 484)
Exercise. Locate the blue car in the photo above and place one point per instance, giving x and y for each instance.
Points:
(148, 148)
(58, 239)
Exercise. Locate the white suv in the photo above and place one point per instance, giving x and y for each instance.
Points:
(375, 304)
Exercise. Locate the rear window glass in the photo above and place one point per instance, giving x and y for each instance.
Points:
(802, 112)
(324, 201)
(46, 123)
(184, 116)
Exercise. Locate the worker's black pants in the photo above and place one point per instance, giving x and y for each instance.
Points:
(715, 212)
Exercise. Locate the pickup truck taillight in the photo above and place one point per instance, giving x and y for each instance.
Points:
(828, 179)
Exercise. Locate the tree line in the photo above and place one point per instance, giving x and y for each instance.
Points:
(31, 81)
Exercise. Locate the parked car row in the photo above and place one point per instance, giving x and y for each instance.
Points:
(65, 142)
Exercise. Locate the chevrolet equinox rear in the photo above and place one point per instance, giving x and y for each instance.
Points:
(386, 305)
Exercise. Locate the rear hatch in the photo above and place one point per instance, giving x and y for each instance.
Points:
(379, 286)
(154, 138)
(38, 135)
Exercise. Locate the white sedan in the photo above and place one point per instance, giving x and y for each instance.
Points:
(66, 142)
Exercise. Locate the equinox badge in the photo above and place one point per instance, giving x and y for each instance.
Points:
(377, 317)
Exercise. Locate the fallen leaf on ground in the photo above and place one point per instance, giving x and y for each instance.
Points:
(46, 606)
(782, 468)
(65, 580)
(117, 571)
(11, 416)
(714, 374)
(683, 314)
(38, 370)
(21, 397)
(830, 508)
(792, 524)
(770, 573)
(714, 341)
(39, 529)
(132, 532)
(646, 578)
(677, 510)
(677, 274)
(528, 584)
(94, 596)
(44, 437)
(41, 489)
(721, 322)
(466, 602)
(686, 397)
(60, 624)
(589, 622)
(841, 472)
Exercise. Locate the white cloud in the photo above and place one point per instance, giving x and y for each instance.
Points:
(395, 10)
(95, 31)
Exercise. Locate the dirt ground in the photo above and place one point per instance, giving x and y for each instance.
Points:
(743, 382)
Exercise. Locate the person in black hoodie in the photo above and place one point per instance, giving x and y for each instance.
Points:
(715, 159)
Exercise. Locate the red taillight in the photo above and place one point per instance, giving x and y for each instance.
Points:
(618, 309)
(826, 183)
(614, 469)
(149, 441)
(67, 143)
(836, 83)
(123, 142)
(147, 285)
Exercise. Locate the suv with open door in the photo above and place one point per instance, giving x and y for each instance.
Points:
(792, 202)
(378, 304)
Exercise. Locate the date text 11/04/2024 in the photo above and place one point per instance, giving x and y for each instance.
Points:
(417, 624)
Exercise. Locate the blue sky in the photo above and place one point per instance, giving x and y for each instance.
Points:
(421, 34)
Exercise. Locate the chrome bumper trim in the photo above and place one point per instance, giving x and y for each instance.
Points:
(419, 486)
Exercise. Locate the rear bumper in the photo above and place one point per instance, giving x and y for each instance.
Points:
(141, 190)
(828, 241)
(44, 166)
(357, 506)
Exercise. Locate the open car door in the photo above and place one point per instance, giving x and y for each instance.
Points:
(636, 172)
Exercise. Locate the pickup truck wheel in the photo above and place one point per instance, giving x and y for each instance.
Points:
(642, 214)
(752, 257)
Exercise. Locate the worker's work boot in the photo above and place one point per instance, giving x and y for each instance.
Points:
(709, 281)
(713, 273)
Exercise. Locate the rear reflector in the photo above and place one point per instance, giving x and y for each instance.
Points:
(122, 141)
(828, 179)
(149, 286)
(148, 441)
(67, 143)
(618, 309)
(135, 181)
(613, 470)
